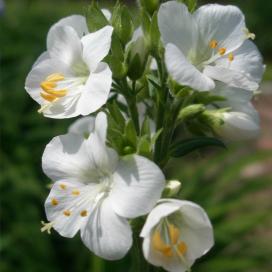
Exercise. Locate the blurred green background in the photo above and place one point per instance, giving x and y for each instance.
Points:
(234, 186)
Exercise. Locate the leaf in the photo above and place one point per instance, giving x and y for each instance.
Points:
(95, 18)
(184, 147)
(130, 133)
(116, 115)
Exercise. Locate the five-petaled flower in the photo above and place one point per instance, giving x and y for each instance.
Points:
(176, 233)
(95, 190)
(210, 45)
(70, 79)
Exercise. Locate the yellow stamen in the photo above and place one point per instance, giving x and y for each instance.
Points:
(222, 51)
(231, 57)
(174, 234)
(57, 93)
(83, 213)
(62, 186)
(55, 77)
(160, 246)
(67, 213)
(182, 248)
(54, 202)
(48, 97)
(48, 85)
(213, 44)
(75, 192)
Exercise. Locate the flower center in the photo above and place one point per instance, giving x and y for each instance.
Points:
(166, 240)
(50, 93)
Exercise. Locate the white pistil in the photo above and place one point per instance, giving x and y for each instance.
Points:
(47, 226)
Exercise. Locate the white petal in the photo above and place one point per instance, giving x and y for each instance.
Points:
(177, 26)
(82, 126)
(65, 200)
(137, 185)
(236, 79)
(66, 46)
(101, 126)
(197, 231)
(104, 160)
(77, 22)
(106, 234)
(96, 91)
(225, 24)
(44, 56)
(239, 126)
(106, 13)
(163, 209)
(247, 59)
(184, 72)
(66, 158)
(96, 46)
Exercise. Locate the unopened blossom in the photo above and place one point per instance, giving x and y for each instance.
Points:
(95, 190)
(83, 126)
(70, 79)
(241, 121)
(211, 45)
(175, 234)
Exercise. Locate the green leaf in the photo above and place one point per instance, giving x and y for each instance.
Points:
(116, 115)
(154, 34)
(130, 133)
(144, 146)
(184, 147)
(95, 18)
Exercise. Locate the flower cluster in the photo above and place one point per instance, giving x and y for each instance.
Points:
(194, 71)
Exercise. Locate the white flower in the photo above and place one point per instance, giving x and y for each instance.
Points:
(95, 190)
(83, 126)
(210, 44)
(176, 233)
(69, 79)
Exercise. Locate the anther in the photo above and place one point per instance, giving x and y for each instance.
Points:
(54, 202)
(62, 186)
(55, 77)
(83, 213)
(75, 192)
(231, 57)
(174, 234)
(182, 248)
(67, 213)
(48, 97)
(213, 44)
(222, 51)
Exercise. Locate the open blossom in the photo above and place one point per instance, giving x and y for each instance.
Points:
(70, 79)
(176, 233)
(209, 46)
(95, 190)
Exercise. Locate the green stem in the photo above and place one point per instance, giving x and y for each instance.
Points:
(130, 96)
(97, 264)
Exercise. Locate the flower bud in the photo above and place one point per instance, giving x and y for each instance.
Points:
(137, 54)
(150, 5)
(238, 126)
(191, 111)
(172, 188)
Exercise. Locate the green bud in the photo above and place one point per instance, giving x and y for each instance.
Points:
(191, 4)
(137, 55)
(172, 188)
(128, 150)
(95, 18)
(150, 5)
(191, 112)
(122, 23)
(213, 118)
